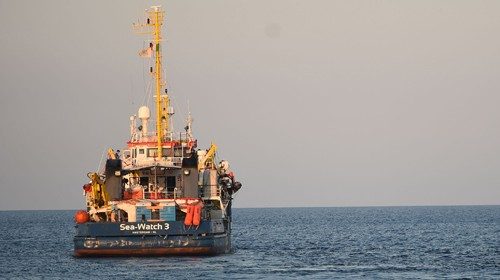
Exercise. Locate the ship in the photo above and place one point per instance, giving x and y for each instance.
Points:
(160, 195)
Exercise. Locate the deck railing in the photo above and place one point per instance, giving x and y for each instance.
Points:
(182, 137)
(133, 163)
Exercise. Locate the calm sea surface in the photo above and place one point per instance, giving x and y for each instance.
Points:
(313, 243)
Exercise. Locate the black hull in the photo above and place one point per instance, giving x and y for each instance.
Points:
(151, 246)
(106, 239)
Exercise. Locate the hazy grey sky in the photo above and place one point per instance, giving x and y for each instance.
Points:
(314, 103)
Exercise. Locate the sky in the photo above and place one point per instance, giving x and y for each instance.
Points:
(313, 103)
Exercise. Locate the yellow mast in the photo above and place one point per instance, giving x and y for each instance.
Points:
(154, 24)
(157, 16)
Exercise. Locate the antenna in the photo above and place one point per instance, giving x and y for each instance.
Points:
(189, 123)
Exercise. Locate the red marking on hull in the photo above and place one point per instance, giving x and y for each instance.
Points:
(148, 252)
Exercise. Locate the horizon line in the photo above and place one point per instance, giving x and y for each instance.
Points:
(287, 207)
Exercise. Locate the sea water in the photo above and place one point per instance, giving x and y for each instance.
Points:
(457, 242)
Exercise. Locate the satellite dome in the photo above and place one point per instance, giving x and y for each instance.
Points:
(144, 113)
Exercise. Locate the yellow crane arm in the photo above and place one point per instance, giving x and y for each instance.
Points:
(111, 154)
(208, 158)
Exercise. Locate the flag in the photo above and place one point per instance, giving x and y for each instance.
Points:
(147, 52)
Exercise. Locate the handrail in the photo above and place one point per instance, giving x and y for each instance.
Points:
(169, 136)
(130, 163)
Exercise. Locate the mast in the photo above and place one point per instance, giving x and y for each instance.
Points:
(158, 20)
(154, 23)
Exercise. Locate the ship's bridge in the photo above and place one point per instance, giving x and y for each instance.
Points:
(143, 152)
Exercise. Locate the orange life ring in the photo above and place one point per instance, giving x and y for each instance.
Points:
(81, 217)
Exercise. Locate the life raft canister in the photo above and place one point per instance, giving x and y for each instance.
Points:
(197, 214)
(189, 215)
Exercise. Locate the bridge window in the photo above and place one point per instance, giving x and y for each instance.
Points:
(152, 152)
(177, 152)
